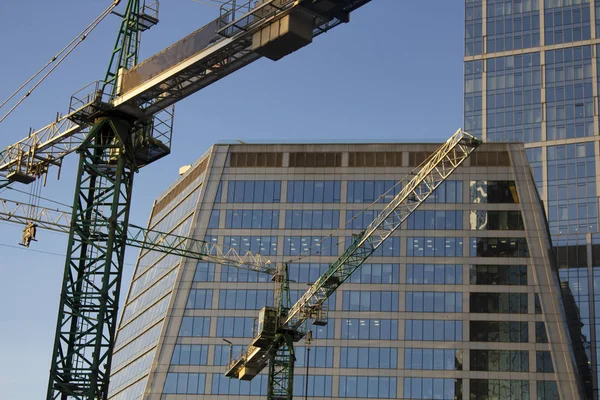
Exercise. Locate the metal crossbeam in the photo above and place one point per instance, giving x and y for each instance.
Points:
(146, 239)
(443, 162)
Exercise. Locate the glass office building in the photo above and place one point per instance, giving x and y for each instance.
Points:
(463, 302)
(531, 75)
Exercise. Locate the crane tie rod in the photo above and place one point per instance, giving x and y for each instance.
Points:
(60, 56)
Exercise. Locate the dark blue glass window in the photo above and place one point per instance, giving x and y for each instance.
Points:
(370, 329)
(194, 326)
(213, 223)
(434, 247)
(432, 388)
(233, 274)
(473, 28)
(376, 273)
(254, 192)
(433, 359)
(205, 272)
(491, 388)
(357, 300)
(184, 383)
(436, 219)
(364, 387)
(499, 360)
(227, 386)
(498, 303)
(313, 192)
(499, 247)
(447, 192)
(369, 357)
(265, 245)
(314, 245)
(431, 329)
(228, 327)
(252, 219)
(190, 354)
(312, 219)
(372, 191)
(499, 331)
(221, 356)
(434, 274)
(320, 356)
(473, 96)
(199, 299)
(245, 299)
(566, 24)
(433, 301)
(318, 385)
(547, 390)
(389, 248)
(512, 25)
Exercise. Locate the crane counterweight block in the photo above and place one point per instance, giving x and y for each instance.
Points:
(416, 188)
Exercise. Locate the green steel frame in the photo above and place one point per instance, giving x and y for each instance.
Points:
(90, 292)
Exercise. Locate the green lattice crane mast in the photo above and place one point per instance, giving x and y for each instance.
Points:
(280, 326)
(118, 126)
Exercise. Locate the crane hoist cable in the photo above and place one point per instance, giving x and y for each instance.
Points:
(58, 58)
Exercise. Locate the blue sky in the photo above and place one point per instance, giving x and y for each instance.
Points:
(393, 73)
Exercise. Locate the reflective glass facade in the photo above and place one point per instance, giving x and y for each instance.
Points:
(531, 75)
(456, 302)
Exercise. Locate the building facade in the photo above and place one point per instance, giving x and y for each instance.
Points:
(531, 75)
(462, 302)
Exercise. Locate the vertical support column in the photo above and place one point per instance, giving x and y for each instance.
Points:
(89, 300)
(281, 371)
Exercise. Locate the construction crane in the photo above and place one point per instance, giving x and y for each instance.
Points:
(123, 123)
(145, 239)
(279, 327)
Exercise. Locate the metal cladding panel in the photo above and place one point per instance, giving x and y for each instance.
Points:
(172, 55)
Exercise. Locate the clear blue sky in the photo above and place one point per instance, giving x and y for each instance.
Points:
(393, 73)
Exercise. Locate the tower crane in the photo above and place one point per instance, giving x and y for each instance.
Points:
(123, 123)
(279, 327)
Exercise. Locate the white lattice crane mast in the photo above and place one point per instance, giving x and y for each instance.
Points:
(280, 327)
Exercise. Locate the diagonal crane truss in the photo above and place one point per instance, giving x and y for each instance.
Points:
(142, 238)
(282, 327)
(121, 124)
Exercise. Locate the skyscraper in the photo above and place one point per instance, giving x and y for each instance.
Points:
(462, 302)
(531, 75)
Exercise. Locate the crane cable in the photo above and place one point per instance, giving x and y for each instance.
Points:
(64, 53)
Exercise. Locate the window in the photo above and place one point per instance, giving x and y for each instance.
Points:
(213, 223)
(221, 356)
(360, 219)
(224, 385)
(429, 274)
(540, 333)
(184, 383)
(432, 388)
(356, 300)
(496, 220)
(244, 299)
(205, 272)
(379, 159)
(252, 219)
(436, 219)
(433, 302)
(265, 245)
(194, 326)
(235, 327)
(241, 160)
(359, 328)
(320, 356)
(254, 192)
(233, 274)
(318, 385)
(376, 273)
(365, 357)
(448, 192)
(190, 354)
(433, 329)
(547, 390)
(499, 360)
(499, 331)
(367, 387)
(308, 219)
(498, 274)
(543, 362)
(494, 192)
(514, 303)
(199, 299)
(484, 389)
(389, 248)
(306, 273)
(490, 159)
(434, 247)
(433, 359)
(371, 191)
(313, 192)
(314, 245)
(499, 247)
(314, 159)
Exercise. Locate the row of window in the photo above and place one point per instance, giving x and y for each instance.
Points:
(357, 300)
(433, 359)
(433, 330)
(449, 191)
(364, 357)
(440, 274)
(499, 360)
(513, 303)
(433, 301)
